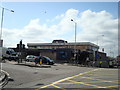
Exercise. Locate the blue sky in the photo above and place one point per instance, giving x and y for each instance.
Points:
(38, 22)
(25, 11)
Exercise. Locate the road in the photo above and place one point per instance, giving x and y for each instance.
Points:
(60, 76)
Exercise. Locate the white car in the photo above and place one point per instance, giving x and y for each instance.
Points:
(30, 58)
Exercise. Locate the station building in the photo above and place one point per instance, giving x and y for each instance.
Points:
(62, 50)
(83, 46)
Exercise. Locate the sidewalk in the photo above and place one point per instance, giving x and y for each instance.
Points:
(29, 64)
(3, 79)
(2, 76)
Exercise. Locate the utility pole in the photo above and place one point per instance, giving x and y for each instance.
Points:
(20, 51)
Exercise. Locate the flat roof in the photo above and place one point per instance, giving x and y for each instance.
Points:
(61, 44)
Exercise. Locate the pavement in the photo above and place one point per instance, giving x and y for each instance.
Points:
(29, 64)
(3, 78)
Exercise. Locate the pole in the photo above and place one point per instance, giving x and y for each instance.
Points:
(1, 24)
(1, 30)
(1, 36)
(75, 38)
(2, 20)
(102, 44)
(75, 32)
(97, 40)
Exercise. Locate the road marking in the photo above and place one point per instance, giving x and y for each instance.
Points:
(5, 72)
(113, 86)
(86, 84)
(46, 86)
(99, 80)
(74, 82)
(56, 82)
(58, 87)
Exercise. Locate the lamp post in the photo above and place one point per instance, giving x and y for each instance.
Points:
(75, 38)
(2, 19)
(75, 28)
(1, 30)
(102, 46)
(101, 40)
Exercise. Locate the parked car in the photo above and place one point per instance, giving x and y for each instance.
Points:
(9, 54)
(30, 58)
(47, 60)
(117, 63)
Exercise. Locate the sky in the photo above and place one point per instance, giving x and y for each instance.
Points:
(42, 22)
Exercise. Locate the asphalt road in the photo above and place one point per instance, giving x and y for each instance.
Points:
(60, 76)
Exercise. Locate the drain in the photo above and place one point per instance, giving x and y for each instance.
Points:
(35, 72)
(10, 79)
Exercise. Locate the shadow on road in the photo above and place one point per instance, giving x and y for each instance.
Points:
(39, 84)
(10, 79)
(29, 65)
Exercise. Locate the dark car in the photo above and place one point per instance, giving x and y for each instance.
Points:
(47, 60)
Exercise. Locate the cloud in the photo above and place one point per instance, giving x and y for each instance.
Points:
(95, 25)
(91, 26)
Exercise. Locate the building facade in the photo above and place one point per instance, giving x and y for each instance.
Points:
(83, 46)
(62, 50)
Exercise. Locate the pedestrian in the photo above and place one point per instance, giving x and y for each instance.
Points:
(37, 60)
(100, 63)
(87, 61)
(93, 63)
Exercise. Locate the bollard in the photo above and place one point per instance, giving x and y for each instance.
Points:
(40, 61)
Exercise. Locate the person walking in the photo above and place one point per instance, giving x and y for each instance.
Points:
(100, 63)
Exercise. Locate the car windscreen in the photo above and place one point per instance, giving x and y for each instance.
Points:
(47, 58)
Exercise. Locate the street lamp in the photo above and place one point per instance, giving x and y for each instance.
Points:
(1, 30)
(75, 28)
(75, 37)
(97, 38)
(2, 19)
(102, 45)
(112, 54)
(101, 42)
